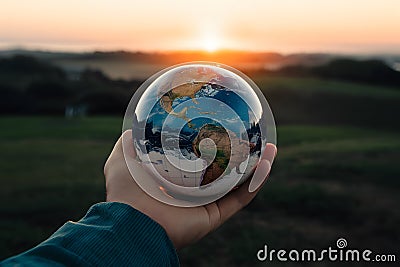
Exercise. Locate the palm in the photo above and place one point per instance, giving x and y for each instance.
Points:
(183, 225)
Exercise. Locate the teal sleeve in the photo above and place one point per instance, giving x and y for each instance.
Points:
(110, 234)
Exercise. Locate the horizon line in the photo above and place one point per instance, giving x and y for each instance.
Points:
(171, 51)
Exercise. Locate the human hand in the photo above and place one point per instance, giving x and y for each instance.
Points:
(183, 225)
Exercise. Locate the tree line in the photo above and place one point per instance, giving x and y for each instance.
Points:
(29, 86)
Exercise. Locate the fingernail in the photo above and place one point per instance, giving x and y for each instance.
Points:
(260, 174)
(270, 152)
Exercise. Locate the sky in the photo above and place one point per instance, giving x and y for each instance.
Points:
(286, 26)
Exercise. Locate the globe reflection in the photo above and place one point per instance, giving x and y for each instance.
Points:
(199, 130)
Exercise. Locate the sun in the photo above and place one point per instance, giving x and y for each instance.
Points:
(209, 38)
(210, 44)
(210, 41)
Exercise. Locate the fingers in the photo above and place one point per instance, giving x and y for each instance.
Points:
(233, 202)
(239, 198)
(259, 175)
(263, 168)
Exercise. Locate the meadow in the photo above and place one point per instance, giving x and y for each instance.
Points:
(336, 175)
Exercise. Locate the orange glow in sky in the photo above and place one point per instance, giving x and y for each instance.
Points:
(151, 25)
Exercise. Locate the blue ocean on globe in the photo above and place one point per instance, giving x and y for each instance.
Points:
(179, 122)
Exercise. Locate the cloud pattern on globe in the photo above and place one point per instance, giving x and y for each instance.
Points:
(199, 130)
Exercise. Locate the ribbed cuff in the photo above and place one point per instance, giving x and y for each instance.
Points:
(115, 234)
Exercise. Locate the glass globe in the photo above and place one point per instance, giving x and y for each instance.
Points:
(198, 130)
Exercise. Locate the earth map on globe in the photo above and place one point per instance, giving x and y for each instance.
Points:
(198, 130)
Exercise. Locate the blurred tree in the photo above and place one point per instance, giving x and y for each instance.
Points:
(13, 101)
(370, 71)
(104, 103)
(48, 97)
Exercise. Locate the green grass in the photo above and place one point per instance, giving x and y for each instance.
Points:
(51, 171)
(327, 182)
(313, 101)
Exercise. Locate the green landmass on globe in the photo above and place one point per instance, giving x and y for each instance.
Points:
(223, 145)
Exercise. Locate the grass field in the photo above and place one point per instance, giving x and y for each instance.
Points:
(327, 182)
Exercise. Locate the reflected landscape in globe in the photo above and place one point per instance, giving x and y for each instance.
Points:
(198, 130)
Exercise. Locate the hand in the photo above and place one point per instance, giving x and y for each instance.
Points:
(183, 225)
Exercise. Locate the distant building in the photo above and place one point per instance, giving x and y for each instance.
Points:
(72, 111)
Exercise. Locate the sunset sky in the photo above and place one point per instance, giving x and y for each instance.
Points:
(361, 26)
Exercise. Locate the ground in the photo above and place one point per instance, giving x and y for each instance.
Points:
(336, 175)
(327, 182)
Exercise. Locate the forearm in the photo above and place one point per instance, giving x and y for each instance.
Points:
(110, 234)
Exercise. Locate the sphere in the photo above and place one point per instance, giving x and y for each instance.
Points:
(198, 129)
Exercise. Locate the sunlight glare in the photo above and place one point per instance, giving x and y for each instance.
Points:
(210, 45)
(210, 42)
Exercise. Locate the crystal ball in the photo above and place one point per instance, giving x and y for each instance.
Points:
(198, 130)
